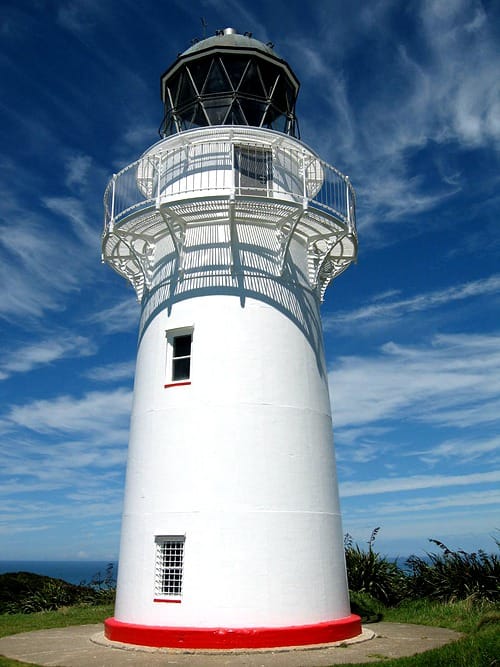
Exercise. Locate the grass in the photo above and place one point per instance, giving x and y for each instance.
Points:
(477, 618)
(11, 624)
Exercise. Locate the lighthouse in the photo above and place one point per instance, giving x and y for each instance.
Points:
(230, 229)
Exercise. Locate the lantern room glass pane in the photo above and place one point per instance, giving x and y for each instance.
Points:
(199, 70)
(254, 111)
(186, 90)
(217, 109)
(217, 81)
(235, 67)
(251, 82)
(269, 74)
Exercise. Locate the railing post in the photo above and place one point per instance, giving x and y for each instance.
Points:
(304, 184)
(113, 191)
(158, 178)
(348, 205)
(232, 183)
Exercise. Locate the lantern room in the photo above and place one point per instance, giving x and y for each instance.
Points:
(229, 79)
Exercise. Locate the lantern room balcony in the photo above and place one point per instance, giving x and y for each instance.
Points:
(230, 175)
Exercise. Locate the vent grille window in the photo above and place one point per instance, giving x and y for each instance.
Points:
(169, 566)
(254, 169)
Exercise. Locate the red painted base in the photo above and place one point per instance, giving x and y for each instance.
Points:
(232, 638)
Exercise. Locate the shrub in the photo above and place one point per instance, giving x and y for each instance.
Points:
(455, 575)
(26, 592)
(365, 606)
(369, 572)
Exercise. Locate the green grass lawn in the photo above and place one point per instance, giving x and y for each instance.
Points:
(479, 620)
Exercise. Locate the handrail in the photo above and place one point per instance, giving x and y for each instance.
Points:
(273, 170)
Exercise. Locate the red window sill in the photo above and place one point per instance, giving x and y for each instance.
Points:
(177, 384)
(169, 600)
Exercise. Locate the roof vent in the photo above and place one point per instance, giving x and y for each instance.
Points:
(230, 31)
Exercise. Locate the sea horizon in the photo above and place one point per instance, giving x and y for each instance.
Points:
(72, 571)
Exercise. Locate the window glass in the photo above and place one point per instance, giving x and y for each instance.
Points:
(180, 356)
(182, 345)
(181, 369)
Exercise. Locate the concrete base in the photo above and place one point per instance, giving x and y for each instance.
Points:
(76, 647)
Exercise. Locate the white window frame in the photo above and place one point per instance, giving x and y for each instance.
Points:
(171, 335)
(169, 573)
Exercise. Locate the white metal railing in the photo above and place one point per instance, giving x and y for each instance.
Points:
(233, 168)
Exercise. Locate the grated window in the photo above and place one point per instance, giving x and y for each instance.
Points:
(253, 169)
(169, 565)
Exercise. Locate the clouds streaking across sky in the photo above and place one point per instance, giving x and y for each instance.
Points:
(405, 99)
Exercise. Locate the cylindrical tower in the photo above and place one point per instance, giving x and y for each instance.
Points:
(230, 229)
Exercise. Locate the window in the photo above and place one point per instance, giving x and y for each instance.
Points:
(181, 358)
(254, 170)
(178, 370)
(169, 567)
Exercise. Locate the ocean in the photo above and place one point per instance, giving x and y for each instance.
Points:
(72, 571)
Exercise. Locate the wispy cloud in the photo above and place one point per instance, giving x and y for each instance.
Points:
(111, 372)
(78, 167)
(95, 412)
(72, 209)
(123, 316)
(382, 310)
(444, 382)
(462, 450)
(28, 357)
(424, 503)
(438, 91)
(31, 287)
(411, 483)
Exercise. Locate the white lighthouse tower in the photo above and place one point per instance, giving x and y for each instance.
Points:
(230, 230)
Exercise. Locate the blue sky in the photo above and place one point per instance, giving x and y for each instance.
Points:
(402, 97)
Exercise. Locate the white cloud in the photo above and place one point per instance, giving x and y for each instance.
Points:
(79, 17)
(78, 167)
(466, 60)
(112, 372)
(28, 357)
(72, 209)
(411, 483)
(435, 503)
(462, 451)
(383, 311)
(123, 316)
(443, 383)
(438, 92)
(96, 412)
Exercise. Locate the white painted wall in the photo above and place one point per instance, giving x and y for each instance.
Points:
(241, 462)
